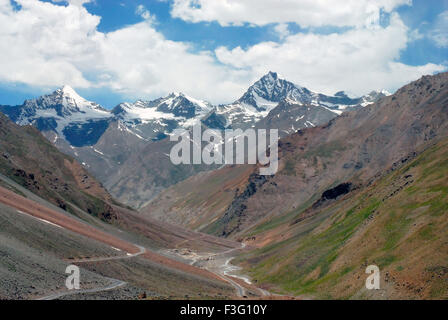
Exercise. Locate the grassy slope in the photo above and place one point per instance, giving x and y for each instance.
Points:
(399, 223)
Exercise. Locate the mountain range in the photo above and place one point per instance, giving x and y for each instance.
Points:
(367, 187)
(358, 184)
(353, 147)
(121, 147)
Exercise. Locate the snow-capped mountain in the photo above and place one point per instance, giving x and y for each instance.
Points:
(64, 112)
(255, 104)
(118, 145)
(63, 103)
(157, 118)
(266, 94)
(289, 116)
(70, 117)
(175, 105)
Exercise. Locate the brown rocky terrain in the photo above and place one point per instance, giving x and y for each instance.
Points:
(288, 117)
(147, 172)
(104, 158)
(353, 148)
(199, 200)
(54, 213)
(33, 162)
(369, 187)
(174, 272)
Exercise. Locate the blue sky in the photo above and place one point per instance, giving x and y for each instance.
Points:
(111, 51)
(204, 35)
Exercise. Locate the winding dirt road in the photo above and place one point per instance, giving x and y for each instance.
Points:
(115, 282)
(58, 220)
(211, 265)
(128, 255)
(114, 285)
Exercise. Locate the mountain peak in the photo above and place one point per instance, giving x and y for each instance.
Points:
(341, 94)
(66, 102)
(200, 103)
(176, 94)
(70, 93)
(67, 88)
(270, 89)
(271, 74)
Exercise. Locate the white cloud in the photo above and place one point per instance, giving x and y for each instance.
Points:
(356, 60)
(282, 30)
(439, 34)
(47, 45)
(44, 44)
(145, 14)
(306, 13)
(139, 59)
(415, 35)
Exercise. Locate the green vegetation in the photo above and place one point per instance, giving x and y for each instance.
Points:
(279, 220)
(381, 224)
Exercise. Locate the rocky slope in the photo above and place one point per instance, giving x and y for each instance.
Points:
(398, 223)
(289, 116)
(53, 212)
(33, 162)
(149, 171)
(39, 240)
(106, 156)
(200, 200)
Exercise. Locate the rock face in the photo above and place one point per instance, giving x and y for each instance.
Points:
(290, 116)
(231, 219)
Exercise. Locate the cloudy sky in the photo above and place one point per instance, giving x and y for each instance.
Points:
(116, 50)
